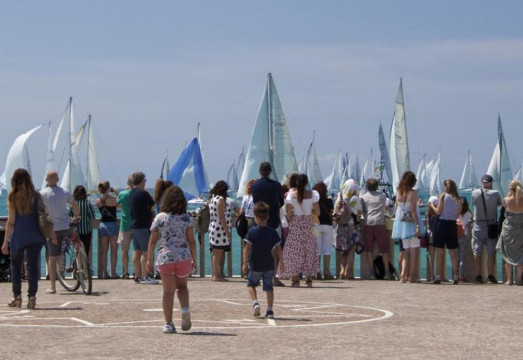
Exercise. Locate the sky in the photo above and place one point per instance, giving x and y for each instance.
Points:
(149, 71)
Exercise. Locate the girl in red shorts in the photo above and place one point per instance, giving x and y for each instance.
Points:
(173, 230)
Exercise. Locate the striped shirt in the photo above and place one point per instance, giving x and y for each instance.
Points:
(86, 214)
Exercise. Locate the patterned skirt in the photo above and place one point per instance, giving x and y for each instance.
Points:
(300, 252)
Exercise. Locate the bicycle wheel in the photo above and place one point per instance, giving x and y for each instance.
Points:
(65, 269)
(83, 272)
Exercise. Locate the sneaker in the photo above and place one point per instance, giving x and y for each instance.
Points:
(478, 280)
(169, 328)
(256, 310)
(455, 280)
(137, 281)
(149, 281)
(186, 321)
(492, 280)
(269, 314)
(437, 280)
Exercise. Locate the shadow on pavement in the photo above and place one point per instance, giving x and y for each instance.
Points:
(205, 333)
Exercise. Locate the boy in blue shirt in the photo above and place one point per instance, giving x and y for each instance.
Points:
(260, 243)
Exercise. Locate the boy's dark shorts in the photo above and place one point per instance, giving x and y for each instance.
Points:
(254, 277)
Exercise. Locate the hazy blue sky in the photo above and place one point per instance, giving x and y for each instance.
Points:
(148, 71)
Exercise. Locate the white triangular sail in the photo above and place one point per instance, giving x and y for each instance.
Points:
(469, 179)
(333, 180)
(52, 144)
(385, 157)
(422, 183)
(17, 157)
(270, 140)
(73, 174)
(311, 165)
(92, 172)
(499, 167)
(399, 144)
(519, 174)
(435, 179)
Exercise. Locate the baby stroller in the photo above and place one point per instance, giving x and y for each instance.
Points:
(5, 263)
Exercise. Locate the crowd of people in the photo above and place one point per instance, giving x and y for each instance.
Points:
(292, 228)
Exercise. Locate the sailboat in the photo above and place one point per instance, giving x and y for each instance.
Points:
(189, 172)
(469, 179)
(333, 181)
(92, 170)
(312, 164)
(421, 175)
(499, 167)
(166, 167)
(17, 157)
(384, 151)
(435, 179)
(232, 176)
(399, 144)
(270, 141)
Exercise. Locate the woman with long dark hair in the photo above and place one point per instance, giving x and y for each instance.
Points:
(449, 207)
(22, 234)
(408, 226)
(220, 227)
(160, 188)
(300, 253)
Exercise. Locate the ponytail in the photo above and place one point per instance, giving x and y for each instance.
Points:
(302, 182)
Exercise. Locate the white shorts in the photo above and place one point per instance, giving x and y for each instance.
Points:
(411, 243)
(124, 238)
(324, 239)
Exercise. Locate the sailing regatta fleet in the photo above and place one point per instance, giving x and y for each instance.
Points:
(270, 142)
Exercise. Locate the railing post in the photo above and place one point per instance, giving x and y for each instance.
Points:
(201, 240)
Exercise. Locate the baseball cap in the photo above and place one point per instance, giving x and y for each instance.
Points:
(487, 179)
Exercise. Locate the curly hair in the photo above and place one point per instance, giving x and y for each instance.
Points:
(248, 188)
(21, 196)
(321, 188)
(174, 201)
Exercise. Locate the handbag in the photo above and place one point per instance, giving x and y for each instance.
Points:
(461, 229)
(492, 229)
(406, 216)
(45, 223)
(242, 225)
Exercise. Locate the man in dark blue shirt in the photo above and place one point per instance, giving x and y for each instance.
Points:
(270, 192)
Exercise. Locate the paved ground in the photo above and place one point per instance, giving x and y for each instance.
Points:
(334, 320)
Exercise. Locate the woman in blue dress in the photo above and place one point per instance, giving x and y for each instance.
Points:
(22, 234)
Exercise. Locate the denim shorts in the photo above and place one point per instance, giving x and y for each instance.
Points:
(140, 239)
(109, 229)
(254, 277)
(62, 236)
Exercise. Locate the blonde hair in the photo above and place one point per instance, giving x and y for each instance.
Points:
(515, 188)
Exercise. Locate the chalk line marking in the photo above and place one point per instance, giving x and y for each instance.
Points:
(82, 321)
(271, 322)
(65, 304)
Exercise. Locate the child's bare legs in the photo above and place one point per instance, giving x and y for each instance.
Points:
(270, 298)
(400, 261)
(104, 240)
(182, 292)
(113, 242)
(440, 256)
(169, 288)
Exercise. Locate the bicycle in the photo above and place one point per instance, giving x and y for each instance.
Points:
(72, 267)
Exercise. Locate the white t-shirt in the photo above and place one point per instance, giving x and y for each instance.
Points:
(305, 208)
(248, 206)
(57, 202)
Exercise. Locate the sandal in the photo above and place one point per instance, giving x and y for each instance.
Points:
(16, 302)
(126, 276)
(308, 284)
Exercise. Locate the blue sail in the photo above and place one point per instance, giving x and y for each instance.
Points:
(188, 172)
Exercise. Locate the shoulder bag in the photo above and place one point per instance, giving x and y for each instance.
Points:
(45, 223)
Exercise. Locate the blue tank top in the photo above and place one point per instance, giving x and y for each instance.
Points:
(450, 208)
(26, 230)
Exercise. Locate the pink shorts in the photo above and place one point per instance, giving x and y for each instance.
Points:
(181, 269)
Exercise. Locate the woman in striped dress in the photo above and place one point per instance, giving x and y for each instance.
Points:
(85, 230)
